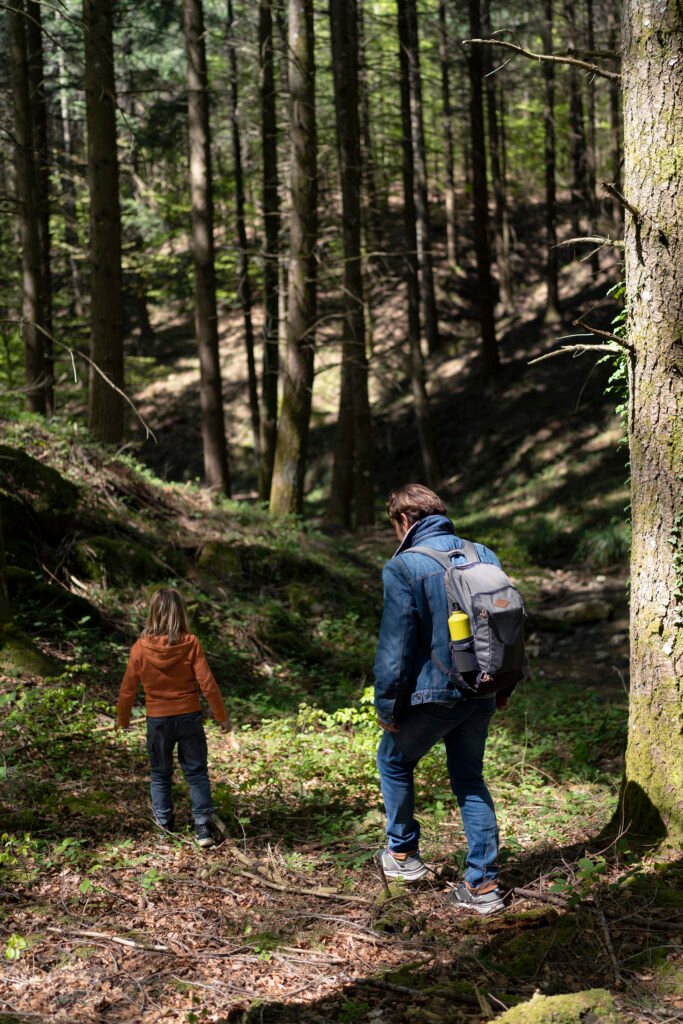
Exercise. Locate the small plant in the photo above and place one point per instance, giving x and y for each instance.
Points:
(151, 879)
(16, 945)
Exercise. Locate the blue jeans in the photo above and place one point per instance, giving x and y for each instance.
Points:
(162, 735)
(463, 727)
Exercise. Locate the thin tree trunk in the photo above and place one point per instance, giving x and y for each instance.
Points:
(652, 797)
(500, 215)
(371, 206)
(580, 200)
(28, 213)
(480, 196)
(216, 469)
(358, 469)
(409, 41)
(105, 406)
(244, 284)
(447, 122)
(68, 189)
(416, 371)
(287, 490)
(616, 209)
(553, 299)
(271, 228)
(34, 40)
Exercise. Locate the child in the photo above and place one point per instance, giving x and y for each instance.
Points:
(171, 664)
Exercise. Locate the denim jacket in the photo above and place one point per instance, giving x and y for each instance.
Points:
(413, 635)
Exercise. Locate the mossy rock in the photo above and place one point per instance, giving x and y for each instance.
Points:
(42, 487)
(45, 600)
(220, 560)
(116, 560)
(19, 656)
(594, 1006)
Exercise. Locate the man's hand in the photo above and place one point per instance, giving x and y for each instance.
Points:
(226, 726)
(123, 728)
(387, 726)
(501, 701)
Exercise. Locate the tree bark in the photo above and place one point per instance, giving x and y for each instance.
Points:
(616, 209)
(652, 69)
(501, 231)
(351, 477)
(38, 99)
(216, 469)
(105, 406)
(480, 196)
(68, 189)
(271, 229)
(287, 490)
(244, 284)
(28, 214)
(410, 43)
(553, 299)
(580, 200)
(371, 208)
(447, 122)
(415, 363)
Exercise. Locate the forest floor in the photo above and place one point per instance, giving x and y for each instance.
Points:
(287, 919)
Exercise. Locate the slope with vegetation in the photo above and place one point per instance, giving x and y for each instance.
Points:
(287, 918)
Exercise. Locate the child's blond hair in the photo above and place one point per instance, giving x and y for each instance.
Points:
(167, 615)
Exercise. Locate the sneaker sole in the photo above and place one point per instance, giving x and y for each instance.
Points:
(407, 876)
(483, 911)
(205, 843)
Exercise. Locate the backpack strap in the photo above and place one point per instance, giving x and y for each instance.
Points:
(468, 549)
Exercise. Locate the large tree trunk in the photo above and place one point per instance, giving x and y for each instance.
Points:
(351, 477)
(410, 43)
(287, 490)
(214, 444)
(553, 300)
(244, 284)
(416, 372)
(271, 229)
(480, 196)
(28, 213)
(652, 69)
(105, 405)
(447, 121)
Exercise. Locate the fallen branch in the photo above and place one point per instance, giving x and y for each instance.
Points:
(612, 76)
(536, 894)
(618, 980)
(318, 893)
(110, 938)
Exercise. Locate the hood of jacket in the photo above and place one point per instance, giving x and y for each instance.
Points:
(162, 655)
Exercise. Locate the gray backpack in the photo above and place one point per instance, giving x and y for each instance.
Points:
(492, 659)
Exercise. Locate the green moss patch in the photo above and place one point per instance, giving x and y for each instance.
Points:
(595, 1006)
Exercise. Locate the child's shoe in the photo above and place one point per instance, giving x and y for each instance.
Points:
(408, 866)
(486, 899)
(165, 826)
(203, 835)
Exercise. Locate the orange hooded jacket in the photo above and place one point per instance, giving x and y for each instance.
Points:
(171, 676)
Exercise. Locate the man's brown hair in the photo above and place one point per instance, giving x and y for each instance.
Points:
(415, 501)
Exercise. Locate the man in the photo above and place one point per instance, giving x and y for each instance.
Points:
(418, 704)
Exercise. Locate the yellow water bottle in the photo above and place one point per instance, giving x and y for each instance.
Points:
(459, 626)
